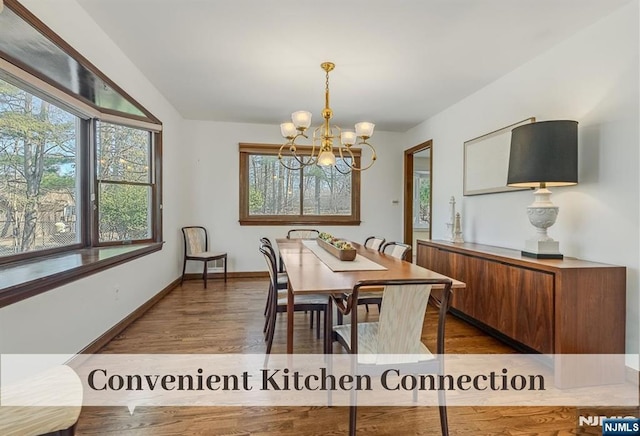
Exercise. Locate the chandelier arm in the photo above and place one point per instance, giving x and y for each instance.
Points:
(342, 172)
(292, 148)
(374, 157)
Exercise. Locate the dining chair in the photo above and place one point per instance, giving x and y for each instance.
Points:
(279, 263)
(374, 242)
(282, 278)
(196, 247)
(303, 234)
(397, 333)
(396, 249)
(278, 304)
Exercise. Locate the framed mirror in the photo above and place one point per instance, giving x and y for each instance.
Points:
(486, 161)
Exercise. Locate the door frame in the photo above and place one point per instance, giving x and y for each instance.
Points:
(408, 190)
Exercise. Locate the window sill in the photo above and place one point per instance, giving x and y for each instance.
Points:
(309, 220)
(21, 280)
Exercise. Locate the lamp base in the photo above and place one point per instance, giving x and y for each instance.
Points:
(542, 249)
(542, 255)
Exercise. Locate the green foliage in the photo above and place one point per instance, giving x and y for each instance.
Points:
(123, 212)
(256, 199)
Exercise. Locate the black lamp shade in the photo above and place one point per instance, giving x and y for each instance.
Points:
(544, 152)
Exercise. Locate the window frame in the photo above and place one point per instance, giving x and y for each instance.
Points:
(33, 272)
(155, 175)
(245, 219)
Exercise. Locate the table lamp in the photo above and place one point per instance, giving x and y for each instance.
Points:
(543, 154)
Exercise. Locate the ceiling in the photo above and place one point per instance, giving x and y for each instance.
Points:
(397, 62)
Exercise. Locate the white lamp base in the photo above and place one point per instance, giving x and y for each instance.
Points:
(542, 249)
(542, 214)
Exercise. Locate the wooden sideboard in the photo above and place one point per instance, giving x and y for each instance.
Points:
(552, 306)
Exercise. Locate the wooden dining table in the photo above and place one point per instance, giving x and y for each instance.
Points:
(310, 275)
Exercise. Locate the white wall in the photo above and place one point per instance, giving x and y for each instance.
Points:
(213, 177)
(592, 78)
(67, 319)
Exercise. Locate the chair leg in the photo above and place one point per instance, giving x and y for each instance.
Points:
(352, 420)
(271, 328)
(267, 308)
(225, 268)
(442, 408)
(317, 324)
(204, 274)
(184, 268)
(366, 306)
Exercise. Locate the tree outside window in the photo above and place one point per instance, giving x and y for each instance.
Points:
(38, 173)
(124, 183)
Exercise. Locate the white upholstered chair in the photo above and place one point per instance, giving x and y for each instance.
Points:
(396, 249)
(278, 300)
(396, 338)
(303, 234)
(374, 242)
(196, 247)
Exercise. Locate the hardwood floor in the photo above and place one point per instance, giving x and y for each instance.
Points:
(227, 318)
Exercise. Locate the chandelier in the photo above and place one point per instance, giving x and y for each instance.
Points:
(323, 137)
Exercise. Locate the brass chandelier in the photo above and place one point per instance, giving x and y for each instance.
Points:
(323, 137)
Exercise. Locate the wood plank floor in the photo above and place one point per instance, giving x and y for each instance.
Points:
(227, 318)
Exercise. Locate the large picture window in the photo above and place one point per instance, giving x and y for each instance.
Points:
(80, 164)
(271, 194)
(39, 175)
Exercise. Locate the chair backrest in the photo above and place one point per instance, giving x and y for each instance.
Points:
(401, 320)
(267, 251)
(396, 249)
(196, 240)
(272, 251)
(404, 304)
(303, 234)
(374, 242)
(266, 241)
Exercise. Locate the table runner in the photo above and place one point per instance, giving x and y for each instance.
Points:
(360, 263)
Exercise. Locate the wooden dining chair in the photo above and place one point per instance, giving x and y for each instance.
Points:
(303, 234)
(397, 249)
(196, 247)
(282, 278)
(398, 332)
(312, 303)
(374, 242)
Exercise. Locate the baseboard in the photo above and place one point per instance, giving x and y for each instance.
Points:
(95, 346)
(230, 275)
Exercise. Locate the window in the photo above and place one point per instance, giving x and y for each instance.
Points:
(125, 183)
(271, 194)
(80, 164)
(39, 178)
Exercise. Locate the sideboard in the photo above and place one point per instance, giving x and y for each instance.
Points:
(550, 306)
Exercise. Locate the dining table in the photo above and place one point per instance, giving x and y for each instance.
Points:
(312, 271)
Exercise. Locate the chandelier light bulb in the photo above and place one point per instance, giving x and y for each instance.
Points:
(288, 130)
(348, 137)
(326, 159)
(365, 129)
(301, 119)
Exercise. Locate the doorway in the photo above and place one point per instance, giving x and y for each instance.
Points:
(417, 194)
